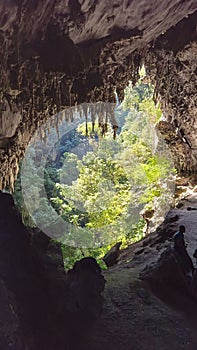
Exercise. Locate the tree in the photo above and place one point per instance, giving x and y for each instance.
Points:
(101, 191)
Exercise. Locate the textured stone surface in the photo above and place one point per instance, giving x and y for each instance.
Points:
(172, 63)
(58, 53)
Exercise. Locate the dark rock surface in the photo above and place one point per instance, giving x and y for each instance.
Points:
(41, 306)
(59, 53)
(168, 274)
(149, 302)
(55, 54)
(172, 64)
(111, 257)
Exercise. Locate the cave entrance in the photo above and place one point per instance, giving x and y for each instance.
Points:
(97, 174)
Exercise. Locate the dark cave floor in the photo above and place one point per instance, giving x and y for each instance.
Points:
(133, 317)
(137, 313)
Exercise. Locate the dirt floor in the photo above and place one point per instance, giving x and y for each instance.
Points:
(133, 317)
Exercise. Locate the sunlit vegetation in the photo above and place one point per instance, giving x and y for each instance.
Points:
(102, 191)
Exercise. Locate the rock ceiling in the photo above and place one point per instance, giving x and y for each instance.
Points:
(59, 53)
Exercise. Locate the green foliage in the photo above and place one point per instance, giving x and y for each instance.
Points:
(19, 201)
(140, 98)
(98, 197)
(81, 129)
(136, 231)
(101, 191)
(71, 254)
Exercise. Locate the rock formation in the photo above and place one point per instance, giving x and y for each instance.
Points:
(41, 305)
(111, 257)
(56, 54)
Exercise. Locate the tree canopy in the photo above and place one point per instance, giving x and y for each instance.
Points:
(101, 190)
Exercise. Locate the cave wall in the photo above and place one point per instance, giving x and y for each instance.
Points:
(56, 54)
(171, 63)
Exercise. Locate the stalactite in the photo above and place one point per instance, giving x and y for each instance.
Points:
(60, 116)
(11, 181)
(52, 121)
(64, 114)
(106, 122)
(97, 109)
(15, 167)
(48, 126)
(85, 111)
(81, 112)
(57, 126)
(72, 114)
(86, 127)
(92, 115)
(50, 90)
(42, 133)
(115, 128)
(102, 129)
(101, 113)
(70, 85)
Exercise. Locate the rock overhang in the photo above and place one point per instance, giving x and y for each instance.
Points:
(59, 53)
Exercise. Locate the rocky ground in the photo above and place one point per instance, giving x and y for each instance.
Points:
(138, 315)
(148, 304)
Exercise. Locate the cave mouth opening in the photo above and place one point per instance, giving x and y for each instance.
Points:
(98, 174)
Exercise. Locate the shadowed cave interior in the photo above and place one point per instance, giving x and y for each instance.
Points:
(57, 56)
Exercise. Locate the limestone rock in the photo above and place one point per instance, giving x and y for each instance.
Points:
(57, 54)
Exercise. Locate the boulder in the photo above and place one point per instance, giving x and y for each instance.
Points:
(167, 273)
(42, 307)
(112, 255)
